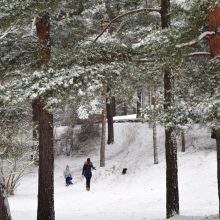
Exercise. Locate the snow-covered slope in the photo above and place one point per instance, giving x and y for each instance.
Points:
(141, 193)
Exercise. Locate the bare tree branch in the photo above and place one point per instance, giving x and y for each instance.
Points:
(192, 42)
(8, 31)
(33, 27)
(126, 14)
(199, 54)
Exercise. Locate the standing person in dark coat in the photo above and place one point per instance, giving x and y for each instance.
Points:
(87, 172)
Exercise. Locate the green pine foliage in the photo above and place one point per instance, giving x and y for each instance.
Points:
(128, 57)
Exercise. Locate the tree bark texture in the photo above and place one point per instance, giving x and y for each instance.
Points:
(155, 144)
(214, 42)
(172, 191)
(165, 13)
(155, 134)
(214, 24)
(43, 33)
(218, 163)
(172, 197)
(4, 206)
(109, 110)
(183, 140)
(172, 194)
(102, 148)
(113, 106)
(139, 105)
(125, 108)
(45, 210)
(35, 113)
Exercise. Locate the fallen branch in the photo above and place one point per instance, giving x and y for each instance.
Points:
(201, 36)
(126, 14)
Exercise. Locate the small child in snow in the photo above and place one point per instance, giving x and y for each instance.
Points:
(68, 175)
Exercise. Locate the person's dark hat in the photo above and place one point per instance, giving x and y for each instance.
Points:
(88, 159)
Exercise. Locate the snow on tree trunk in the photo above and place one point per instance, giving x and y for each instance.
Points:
(109, 111)
(214, 42)
(102, 148)
(4, 206)
(45, 209)
(172, 192)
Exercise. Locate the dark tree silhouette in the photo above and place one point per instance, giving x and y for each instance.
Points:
(45, 209)
(172, 192)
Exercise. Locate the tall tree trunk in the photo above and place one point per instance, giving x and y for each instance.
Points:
(125, 108)
(139, 105)
(172, 195)
(214, 41)
(172, 198)
(45, 209)
(155, 144)
(35, 133)
(155, 134)
(4, 206)
(150, 106)
(218, 164)
(183, 140)
(113, 106)
(110, 118)
(102, 148)
(35, 119)
(165, 13)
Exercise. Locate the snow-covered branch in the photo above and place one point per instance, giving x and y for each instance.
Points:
(32, 33)
(144, 60)
(192, 42)
(200, 54)
(10, 29)
(126, 14)
(33, 27)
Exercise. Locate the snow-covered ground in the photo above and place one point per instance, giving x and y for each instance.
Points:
(141, 193)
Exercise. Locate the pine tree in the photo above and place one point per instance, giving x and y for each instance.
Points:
(204, 76)
(214, 41)
(172, 195)
(109, 111)
(45, 120)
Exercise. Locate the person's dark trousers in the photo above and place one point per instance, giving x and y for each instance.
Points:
(69, 180)
(88, 179)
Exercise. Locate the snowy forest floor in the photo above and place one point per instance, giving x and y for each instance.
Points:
(141, 193)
